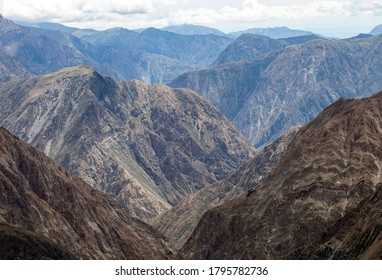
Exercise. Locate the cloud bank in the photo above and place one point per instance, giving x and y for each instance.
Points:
(144, 13)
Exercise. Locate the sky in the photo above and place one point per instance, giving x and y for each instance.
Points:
(337, 18)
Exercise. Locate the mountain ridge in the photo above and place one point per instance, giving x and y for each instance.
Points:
(258, 96)
(40, 196)
(329, 173)
(148, 146)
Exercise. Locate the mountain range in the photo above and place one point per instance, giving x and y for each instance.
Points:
(152, 56)
(45, 212)
(321, 201)
(289, 86)
(274, 32)
(178, 223)
(147, 146)
(97, 161)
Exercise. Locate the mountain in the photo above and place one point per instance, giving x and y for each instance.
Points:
(197, 51)
(290, 86)
(249, 46)
(41, 51)
(376, 30)
(178, 223)
(190, 29)
(11, 68)
(21, 244)
(321, 201)
(147, 146)
(59, 27)
(40, 196)
(274, 32)
(153, 56)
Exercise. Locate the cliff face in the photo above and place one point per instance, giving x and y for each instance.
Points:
(40, 196)
(178, 223)
(320, 201)
(147, 146)
(265, 96)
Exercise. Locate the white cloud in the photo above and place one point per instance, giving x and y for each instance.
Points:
(143, 13)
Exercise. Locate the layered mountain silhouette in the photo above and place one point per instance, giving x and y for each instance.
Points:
(147, 146)
(290, 86)
(274, 32)
(152, 56)
(47, 213)
(322, 201)
(191, 29)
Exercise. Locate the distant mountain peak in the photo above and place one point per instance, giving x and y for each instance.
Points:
(191, 29)
(376, 30)
(274, 32)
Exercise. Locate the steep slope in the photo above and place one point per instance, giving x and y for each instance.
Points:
(178, 223)
(40, 196)
(42, 51)
(248, 47)
(324, 192)
(148, 146)
(143, 66)
(21, 244)
(291, 86)
(11, 69)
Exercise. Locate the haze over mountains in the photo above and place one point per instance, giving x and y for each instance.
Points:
(153, 56)
(289, 86)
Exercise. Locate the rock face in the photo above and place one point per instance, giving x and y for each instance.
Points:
(290, 86)
(147, 146)
(321, 201)
(40, 196)
(178, 223)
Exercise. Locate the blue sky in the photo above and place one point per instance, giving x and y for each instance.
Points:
(340, 18)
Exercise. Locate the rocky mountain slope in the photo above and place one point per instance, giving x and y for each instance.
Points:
(178, 223)
(147, 146)
(321, 201)
(40, 196)
(20, 244)
(290, 86)
(11, 68)
(248, 47)
(42, 51)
